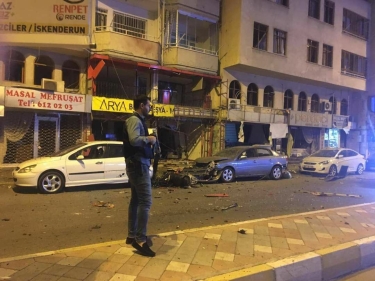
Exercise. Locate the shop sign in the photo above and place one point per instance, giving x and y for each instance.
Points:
(310, 119)
(163, 110)
(112, 105)
(45, 100)
(41, 16)
(340, 121)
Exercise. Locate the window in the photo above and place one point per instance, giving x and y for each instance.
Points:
(115, 151)
(315, 101)
(288, 99)
(334, 105)
(235, 90)
(302, 102)
(355, 24)
(101, 19)
(279, 42)
(353, 64)
(43, 68)
(312, 51)
(260, 36)
(327, 55)
(351, 153)
(129, 25)
(90, 152)
(250, 153)
(314, 9)
(329, 12)
(344, 107)
(268, 96)
(70, 74)
(252, 94)
(14, 66)
(262, 152)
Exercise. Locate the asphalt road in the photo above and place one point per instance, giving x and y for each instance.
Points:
(31, 222)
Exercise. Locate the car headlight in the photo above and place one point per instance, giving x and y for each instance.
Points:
(324, 162)
(27, 169)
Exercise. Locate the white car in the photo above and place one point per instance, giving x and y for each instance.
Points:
(330, 161)
(97, 162)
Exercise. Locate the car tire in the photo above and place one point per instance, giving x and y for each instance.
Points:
(51, 182)
(227, 175)
(332, 171)
(276, 172)
(360, 169)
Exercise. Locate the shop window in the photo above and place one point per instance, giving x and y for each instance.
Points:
(70, 74)
(344, 107)
(268, 97)
(312, 51)
(288, 99)
(334, 105)
(260, 36)
(14, 66)
(371, 103)
(252, 94)
(315, 103)
(234, 90)
(43, 68)
(314, 9)
(302, 102)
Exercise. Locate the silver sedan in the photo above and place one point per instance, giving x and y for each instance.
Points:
(244, 161)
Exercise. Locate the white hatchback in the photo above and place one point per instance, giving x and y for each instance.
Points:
(330, 161)
(97, 162)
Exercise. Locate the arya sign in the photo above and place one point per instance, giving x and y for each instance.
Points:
(310, 119)
(112, 105)
(26, 98)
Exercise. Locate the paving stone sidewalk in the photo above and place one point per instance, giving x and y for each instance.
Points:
(198, 254)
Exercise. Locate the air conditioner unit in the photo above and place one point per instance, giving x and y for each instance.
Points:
(327, 106)
(234, 104)
(53, 85)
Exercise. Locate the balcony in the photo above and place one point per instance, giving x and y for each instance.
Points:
(118, 91)
(256, 114)
(191, 58)
(310, 119)
(199, 112)
(127, 44)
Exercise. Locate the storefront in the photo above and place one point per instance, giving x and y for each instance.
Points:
(308, 129)
(38, 123)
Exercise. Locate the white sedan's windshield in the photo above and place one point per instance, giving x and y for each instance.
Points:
(68, 149)
(327, 153)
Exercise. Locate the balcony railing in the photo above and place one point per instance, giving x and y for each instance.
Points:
(257, 114)
(120, 29)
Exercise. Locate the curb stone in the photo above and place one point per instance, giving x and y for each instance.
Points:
(325, 264)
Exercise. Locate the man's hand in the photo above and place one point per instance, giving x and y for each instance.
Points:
(151, 139)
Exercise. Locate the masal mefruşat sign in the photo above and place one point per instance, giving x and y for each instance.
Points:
(44, 100)
(45, 16)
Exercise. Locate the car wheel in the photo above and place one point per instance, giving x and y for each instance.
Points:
(332, 170)
(227, 175)
(51, 182)
(360, 169)
(276, 173)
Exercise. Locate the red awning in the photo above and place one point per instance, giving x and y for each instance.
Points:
(158, 67)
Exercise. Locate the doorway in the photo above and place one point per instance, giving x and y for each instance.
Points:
(46, 136)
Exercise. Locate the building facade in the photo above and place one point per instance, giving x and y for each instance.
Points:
(44, 50)
(167, 50)
(295, 71)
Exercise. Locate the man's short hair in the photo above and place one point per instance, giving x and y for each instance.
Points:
(140, 99)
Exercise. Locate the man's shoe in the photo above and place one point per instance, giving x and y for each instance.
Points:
(144, 249)
(129, 240)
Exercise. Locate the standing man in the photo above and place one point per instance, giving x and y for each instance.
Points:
(138, 150)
